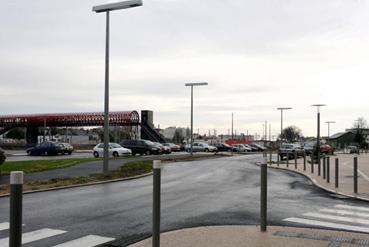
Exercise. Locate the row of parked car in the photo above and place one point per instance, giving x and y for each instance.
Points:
(133, 147)
(223, 147)
(289, 150)
(51, 148)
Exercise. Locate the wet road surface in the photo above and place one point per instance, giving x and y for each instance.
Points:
(207, 192)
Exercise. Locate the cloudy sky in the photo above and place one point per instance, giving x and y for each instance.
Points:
(255, 55)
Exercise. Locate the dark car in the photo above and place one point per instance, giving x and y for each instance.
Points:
(66, 148)
(45, 148)
(223, 147)
(173, 147)
(257, 147)
(141, 147)
(2, 156)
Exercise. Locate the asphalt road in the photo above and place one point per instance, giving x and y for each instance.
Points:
(208, 192)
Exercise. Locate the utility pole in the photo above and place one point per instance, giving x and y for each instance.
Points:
(232, 125)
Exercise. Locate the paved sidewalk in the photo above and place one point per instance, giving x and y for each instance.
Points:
(345, 171)
(250, 236)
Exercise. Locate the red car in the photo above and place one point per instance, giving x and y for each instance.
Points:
(326, 149)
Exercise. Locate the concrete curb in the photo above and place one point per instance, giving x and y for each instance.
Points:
(317, 184)
(81, 185)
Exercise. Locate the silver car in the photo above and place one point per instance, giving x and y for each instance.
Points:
(200, 147)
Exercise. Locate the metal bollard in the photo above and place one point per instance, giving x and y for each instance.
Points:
(156, 203)
(295, 156)
(278, 158)
(312, 163)
(16, 201)
(263, 195)
(270, 156)
(324, 167)
(319, 164)
(355, 174)
(304, 161)
(336, 174)
(328, 169)
(288, 158)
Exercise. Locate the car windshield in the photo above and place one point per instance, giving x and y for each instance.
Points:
(149, 142)
(115, 145)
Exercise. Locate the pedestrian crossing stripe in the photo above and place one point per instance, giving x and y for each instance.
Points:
(34, 236)
(344, 212)
(4, 226)
(86, 241)
(338, 218)
(352, 207)
(328, 224)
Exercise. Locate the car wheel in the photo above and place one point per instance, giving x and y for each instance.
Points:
(115, 154)
(133, 154)
(147, 152)
(46, 153)
(29, 153)
(69, 153)
(206, 150)
(96, 154)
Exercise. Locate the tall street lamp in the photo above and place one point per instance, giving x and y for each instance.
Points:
(192, 85)
(329, 123)
(107, 8)
(282, 109)
(318, 130)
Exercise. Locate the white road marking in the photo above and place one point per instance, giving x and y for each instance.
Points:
(86, 241)
(345, 212)
(337, 218)
(328, 224)
(34, 236)
(4, 226)
(352, 207)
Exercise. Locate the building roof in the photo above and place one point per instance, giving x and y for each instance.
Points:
(338, 135)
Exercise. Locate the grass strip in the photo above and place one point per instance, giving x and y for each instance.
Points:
(29, 166)
(130, 169)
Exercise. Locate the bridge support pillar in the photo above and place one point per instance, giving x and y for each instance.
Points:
(32, 135)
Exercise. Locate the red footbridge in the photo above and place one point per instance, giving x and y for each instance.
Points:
(118, 118)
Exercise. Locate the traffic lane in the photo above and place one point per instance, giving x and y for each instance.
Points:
(207, 192)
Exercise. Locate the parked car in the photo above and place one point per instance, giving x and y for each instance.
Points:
(248, 147)
(114, 149)
(240, 148)
(201, 147)
(45, 148)
(353, 149)
(141, 147)
(223, 147)
(66, 148)
(309, 148)
(289, 150)
(164, 149)
(257, 147)
(173, 147)
(326, 149)
(2, 156)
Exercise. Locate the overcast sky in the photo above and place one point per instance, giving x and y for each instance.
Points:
(256, 55)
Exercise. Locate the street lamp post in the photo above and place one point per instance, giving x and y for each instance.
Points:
(192, 85)
(329, 123)
(318, 131)
(282, 109)
(107, 8)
